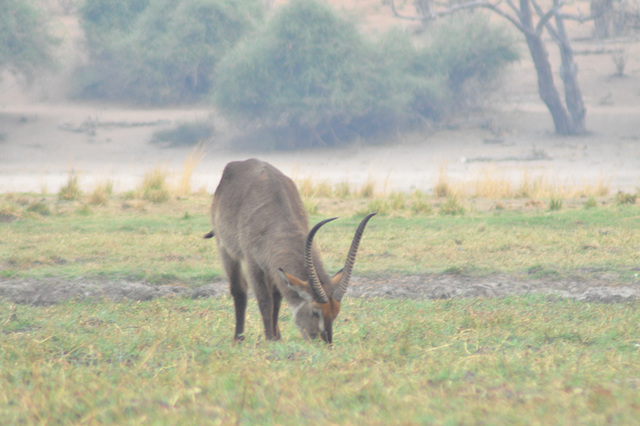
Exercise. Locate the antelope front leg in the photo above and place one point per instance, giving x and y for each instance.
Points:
(277, 301)
(266, 303)
(238, 287)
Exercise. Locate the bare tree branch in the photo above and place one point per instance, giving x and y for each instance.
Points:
(514, 8)
(580, 18)
(514, 21)
(398, 15)
(494, 7)
(545, 18)
(568, 116)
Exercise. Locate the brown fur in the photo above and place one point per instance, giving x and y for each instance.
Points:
(261, 226)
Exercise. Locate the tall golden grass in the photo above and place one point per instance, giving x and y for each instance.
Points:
(191, 163)
(99, 196)
(71, 190)
(489, 183)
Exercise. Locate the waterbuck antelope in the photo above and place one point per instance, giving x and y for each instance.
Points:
(262, 230)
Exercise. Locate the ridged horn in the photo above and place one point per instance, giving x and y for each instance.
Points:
(319, 295)
(341, 289)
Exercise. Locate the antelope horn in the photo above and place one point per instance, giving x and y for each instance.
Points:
(341, 289)
(319, 294)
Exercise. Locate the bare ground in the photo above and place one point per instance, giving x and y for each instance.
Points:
(417, 287)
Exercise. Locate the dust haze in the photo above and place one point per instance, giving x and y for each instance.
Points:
(43, 136)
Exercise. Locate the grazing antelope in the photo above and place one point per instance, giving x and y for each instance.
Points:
(262, 230)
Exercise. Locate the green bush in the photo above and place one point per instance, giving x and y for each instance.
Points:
(467, 52)
(159, 52)
(310, 72)
(309, 77)
(26, 40)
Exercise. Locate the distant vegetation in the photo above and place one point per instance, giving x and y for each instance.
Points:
(26, 39)
(468, 53)
(309, 72)
(304, 76)
(160, 52)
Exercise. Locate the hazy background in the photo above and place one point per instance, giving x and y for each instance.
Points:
(353, 95)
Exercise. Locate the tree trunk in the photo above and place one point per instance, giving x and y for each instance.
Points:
(568, 114)
(546, 86)
(569, 75)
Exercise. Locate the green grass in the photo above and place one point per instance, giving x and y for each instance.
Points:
(528, 360)
(525, 360)
(162, 243)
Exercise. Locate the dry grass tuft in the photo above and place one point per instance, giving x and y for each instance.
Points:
(70, 191)
(443, 186)
(490, 183)
(452, 207)
(191, 163)
(100, 195)
(419, 203)
(310, 188)
(623, 198)
(342, 190)
(154, 186)
(367, 190)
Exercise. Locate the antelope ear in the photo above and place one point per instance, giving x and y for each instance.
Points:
(335, 280)
(300, 287)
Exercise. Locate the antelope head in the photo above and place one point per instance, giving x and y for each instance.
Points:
(321, 300)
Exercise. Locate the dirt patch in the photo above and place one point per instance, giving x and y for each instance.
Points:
(447, 286)
(415, 287)
(54, 290)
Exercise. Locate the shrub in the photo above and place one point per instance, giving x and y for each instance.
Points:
(310, 72)
(309, 77)
(591, 203)
(623, 198)
(154, 186)
(555, 204)
(100, 194)
(26, 40)
(159, 52)
(468, 53)
(451, 207)
(39, 207)
(71, 191)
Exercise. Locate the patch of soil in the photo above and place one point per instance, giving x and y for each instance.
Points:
(50, 291)
(447, 286)
(417, 287)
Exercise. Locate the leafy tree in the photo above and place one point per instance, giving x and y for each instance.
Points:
(468, 53)
(309, 73)
(306, 70)
(163, 51)
(26, 40)
(532, 20)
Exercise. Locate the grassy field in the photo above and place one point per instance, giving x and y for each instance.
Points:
(524, 360)
(530, 360)
(161, 242)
